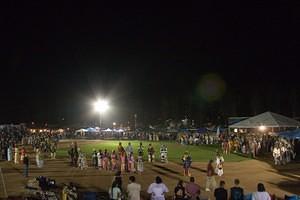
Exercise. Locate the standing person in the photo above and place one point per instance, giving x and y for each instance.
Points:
(261, 193)
(140, 164)
(151, 153)
(23, 152)
(129, 149)
(71, 153)
(276, 155)
(141, 149)
(100, 159)
(187, 161)
(9, 153)
(123, 161)
(131, 167)
(236, 192)
(157, 189)
(219, 164)
(115, 191)
(53, 151)
(105, 160)
(16, 155)
(133, 189)
(120, 148)
(210, 179)
(221, 193)
(113, 158)
(94, 159)
(26, 165)
(193, 190)
(38, 157)
(179, 191)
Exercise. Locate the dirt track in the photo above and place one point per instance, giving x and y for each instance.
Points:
(280, 180)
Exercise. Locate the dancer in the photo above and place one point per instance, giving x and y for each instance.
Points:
(123, 161)
(105, 160)
(140, 164)
(219, 164)
(16, 155)
(113, 158)
(100, 157)
(151, 153)
(94, 159)
(131, 167)
(187, 161)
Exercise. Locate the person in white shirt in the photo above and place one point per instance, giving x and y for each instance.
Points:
(115, 191)
(276, 155)
(261, 193)
(157, 189)
(133, 189)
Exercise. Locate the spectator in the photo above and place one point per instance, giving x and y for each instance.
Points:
(210, 179)
(179, 191)
(157, 189)
(192, 189)
(115, 191)
(236, 192)
(133, 189)
(26, 165)
(221, 193)
(261, 193)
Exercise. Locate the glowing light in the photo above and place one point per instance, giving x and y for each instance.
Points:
(235, 130)
(114, 123)
(262, 128)
(101, 106)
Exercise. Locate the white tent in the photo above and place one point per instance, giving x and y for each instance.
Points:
(267, 119)
(81, 130)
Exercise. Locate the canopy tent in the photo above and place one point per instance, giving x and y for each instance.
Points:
(267, 119)
(108, 130)
(295, 134)
(80, 130)
(91, 130)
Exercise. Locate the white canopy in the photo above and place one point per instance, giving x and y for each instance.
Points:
(81, 130)
(267, 119)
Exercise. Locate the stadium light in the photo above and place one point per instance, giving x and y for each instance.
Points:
(101, 106)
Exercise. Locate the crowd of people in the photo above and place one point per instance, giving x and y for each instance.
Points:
(158, 190)
(197, 138)
(121, 158)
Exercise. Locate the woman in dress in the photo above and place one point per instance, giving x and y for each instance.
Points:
(105, 160)
(113, 158)
(140, 164)
(16, 155)
(131, 167)
(100, 159)
(123, 161)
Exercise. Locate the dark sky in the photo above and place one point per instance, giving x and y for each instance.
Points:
(148, 59)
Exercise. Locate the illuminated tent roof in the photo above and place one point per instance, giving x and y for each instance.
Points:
(267, 119)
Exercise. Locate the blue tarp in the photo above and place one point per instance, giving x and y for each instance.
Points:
(295, 134)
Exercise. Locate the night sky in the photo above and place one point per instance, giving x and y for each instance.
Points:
(205, 61)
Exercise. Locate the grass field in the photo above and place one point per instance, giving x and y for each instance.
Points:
(175, 151)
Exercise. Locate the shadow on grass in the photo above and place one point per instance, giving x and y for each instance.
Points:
(166, 169)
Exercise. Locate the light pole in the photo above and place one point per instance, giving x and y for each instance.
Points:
(101, 106)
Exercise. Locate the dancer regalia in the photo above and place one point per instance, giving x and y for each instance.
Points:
(151, 153)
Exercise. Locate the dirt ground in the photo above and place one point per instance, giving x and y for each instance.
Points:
(278, 180)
